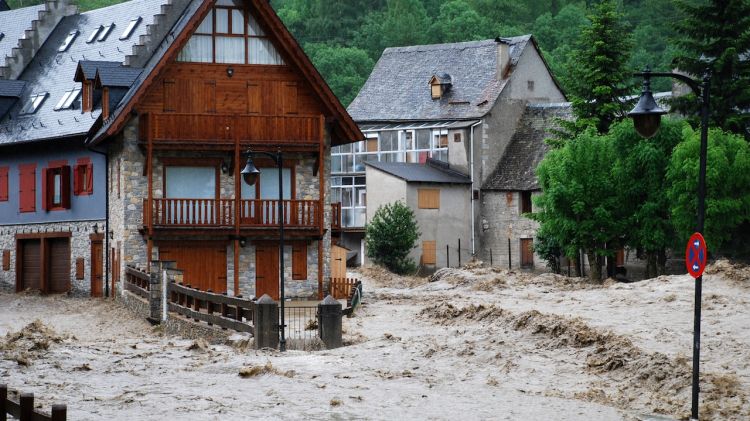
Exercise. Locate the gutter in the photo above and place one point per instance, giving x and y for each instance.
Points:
(471, 171)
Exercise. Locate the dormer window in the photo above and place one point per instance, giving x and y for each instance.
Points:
(68, 41)
(440, 85)
(34, 103)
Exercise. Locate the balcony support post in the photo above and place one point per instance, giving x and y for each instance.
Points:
(150, 174)
(237, 204)
(322, 201)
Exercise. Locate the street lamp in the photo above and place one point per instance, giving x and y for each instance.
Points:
(250, 176)
(647, 117)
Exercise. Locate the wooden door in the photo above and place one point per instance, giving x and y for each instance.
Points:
(59, 265)
(267, 270)
(97, 267)
(338, 262)
(203, 264)
(30, 270)
(527, 252)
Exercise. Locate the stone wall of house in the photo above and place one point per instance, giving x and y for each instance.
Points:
(500, 220)
(80, 248)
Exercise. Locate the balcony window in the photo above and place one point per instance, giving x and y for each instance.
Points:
(190, 182)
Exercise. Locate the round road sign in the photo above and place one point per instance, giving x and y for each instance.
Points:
(696, 255)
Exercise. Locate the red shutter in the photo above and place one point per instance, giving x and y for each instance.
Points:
(47, 183)
(27, 187)
(77, 181)
(65, 187)
(3, 184)
(89, 187)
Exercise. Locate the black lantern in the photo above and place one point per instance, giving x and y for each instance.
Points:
(647, 113)
(250, 173)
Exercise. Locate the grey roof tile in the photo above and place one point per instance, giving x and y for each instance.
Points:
(120, 77)
(12, 88)
(87, 68)
(517, 168)
(13, 24)
(53, 72)
(431, 172)
(398, 88)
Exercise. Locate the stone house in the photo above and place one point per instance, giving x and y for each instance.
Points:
(167, 99)
(468, 106)
(53, 192)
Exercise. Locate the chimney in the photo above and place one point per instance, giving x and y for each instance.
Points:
(503, 58)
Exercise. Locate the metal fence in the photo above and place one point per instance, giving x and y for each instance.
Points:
(301, 329)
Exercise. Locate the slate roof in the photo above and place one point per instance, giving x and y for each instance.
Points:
(421, 173)
(118, 77)
(517, 168)
(87, 68)
(398, 88)
(53, 72)
(11, 88)
(13, 24)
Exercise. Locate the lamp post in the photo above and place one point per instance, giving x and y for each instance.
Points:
(647, 117)
(250, 175)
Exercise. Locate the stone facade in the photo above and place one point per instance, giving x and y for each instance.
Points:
(501, 219)
(80, 248)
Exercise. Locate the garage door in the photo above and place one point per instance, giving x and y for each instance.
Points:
(59, 265)
(30, 273)
(203, 265)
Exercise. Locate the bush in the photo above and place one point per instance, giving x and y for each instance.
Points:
(391, 235)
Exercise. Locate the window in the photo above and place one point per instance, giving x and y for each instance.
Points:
(530, 85)
(34, 103)
(429, 253)
(68, 99)
(4, 184)
(27, 188)
(526, 202)
(130, 28)
(230, 34)
(190, 182)
(105, 32)
(56, 187)
(94, 34)
(429, 198)
(68, 41)
(299, 261)
(83, 178)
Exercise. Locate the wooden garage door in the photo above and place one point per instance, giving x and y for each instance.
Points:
(204, 265)
(59, 265)
(29, 273)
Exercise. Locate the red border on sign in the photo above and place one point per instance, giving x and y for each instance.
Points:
(690, 262)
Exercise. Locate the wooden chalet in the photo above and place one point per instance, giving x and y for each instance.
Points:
(177, 120)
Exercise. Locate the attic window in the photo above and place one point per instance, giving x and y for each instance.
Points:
(68, 41)
(105, 33)
(34, 103)
(67, 99)
(440, 85)
(94, 34)
(131, 27)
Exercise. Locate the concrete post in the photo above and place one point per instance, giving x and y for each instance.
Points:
(329, 322)
(266, 320)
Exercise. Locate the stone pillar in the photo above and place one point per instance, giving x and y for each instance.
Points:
(266, 320)
(156, 300)
(329, 323)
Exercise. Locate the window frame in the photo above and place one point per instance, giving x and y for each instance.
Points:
(83, 177)
(56, 171)
(525, 203)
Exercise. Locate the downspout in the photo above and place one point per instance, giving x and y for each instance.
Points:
(471, 171)
(106, 219)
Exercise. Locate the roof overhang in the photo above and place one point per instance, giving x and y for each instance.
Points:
(418, 125)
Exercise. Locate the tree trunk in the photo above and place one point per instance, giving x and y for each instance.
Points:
(579, 265)
(595, 269)
(651, 271)
(662, 262)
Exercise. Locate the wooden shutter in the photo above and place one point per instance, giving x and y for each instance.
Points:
(429, 253)
(80, 269)
(89, 187)
(27, 187)
(527, 252)
(78, 179)
(299, 261)
(65, 187)
(3, 184)
(429, 198)
(372, 144)
(6, 260)
(47, 181)
(254, 98)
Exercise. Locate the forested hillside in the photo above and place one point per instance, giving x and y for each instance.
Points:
(345, 38)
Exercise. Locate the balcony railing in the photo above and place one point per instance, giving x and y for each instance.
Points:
(200, 128)
(210, 213)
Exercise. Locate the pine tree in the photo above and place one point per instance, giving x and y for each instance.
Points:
(714, 37)
(600, 71)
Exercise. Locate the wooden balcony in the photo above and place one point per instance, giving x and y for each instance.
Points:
(224, 213)
(199, 131)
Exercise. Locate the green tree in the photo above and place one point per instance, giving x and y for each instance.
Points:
(642, 184)
(391, 235)
(578, 206)
(405, 23)
(548, 248)
(727, 186)
(345, 69)
(713, 37)
(459, 22)
(599, 72)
